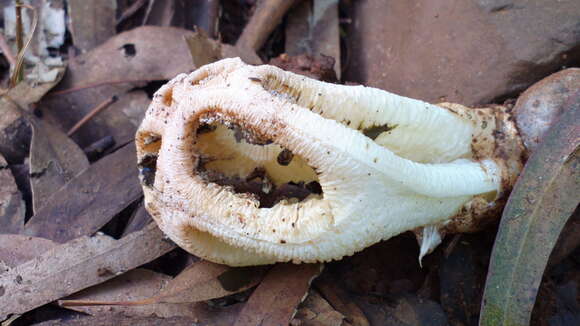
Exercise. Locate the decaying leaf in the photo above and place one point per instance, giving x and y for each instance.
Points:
(253, 165)
(12, 208)
(76, 265)
(54, 160)
(141, 284)
(341, 301)
(201, 281)
(89, 200)
(275, 300)
(124, 62)
(543, 199)
(315, 311)
(15, 130)
(407, 310)
(91, 22)
(16, 249)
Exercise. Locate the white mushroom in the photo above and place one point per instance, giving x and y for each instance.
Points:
(247, 165)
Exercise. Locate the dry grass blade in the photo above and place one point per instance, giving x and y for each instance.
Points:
(76, 265)
(17, 74)
(275, 300)
(201, 281)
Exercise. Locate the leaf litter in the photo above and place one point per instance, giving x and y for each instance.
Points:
(60, 253)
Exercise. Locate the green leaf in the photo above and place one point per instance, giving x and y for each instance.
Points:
(543, 199)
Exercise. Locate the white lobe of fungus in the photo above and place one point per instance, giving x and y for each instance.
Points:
(248, 165)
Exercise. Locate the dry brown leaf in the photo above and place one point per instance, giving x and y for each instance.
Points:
(76, 265)
(140, 284)
(340, 301)
(143, 54)
(201, 281)
(15, 131)
(16, 249)
(315, 311)
(275, 300)
(12, 209)
(91, 22)
(54, 160)
(90, 200)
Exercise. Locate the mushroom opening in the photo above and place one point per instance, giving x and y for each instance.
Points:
(246, 163)
(150, 144)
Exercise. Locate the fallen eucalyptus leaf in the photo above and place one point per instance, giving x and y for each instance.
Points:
(125, 61)
(89, 200)
(119, 320)
(54, 160)
(16, 249)
(315, 311)
(140, 284)
(275, 300)
(543, 199)
(91, 22)
(201, 281)
(12, 208)
(76, 265)
(138, 220)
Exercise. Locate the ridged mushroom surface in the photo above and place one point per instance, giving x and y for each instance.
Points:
(248, 165)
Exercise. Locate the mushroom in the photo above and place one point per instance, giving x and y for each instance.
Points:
(248, 165)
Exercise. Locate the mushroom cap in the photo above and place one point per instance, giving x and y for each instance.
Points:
(385, 164)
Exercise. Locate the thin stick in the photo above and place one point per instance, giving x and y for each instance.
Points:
(267, 16)
(108, 82)
(91, 114)
(18, 73)
(131, 10)
(7, 51)
(148, 11)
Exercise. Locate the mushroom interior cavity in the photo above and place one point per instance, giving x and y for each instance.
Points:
(247, 165)
(231, 156)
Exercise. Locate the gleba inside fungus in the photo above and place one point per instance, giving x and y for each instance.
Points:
(247, 165)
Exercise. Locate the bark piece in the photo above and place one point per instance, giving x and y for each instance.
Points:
(54, 160)
(90, 200)
(76, 265)
(91, 22)
(275, 300)
(12, 207)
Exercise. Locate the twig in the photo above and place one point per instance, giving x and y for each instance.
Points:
(148, 11)
(103, 83)
(131, 11)
(18, 75)
(7, 51)
(267, 16)
(103, 105)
